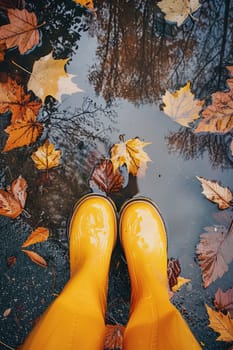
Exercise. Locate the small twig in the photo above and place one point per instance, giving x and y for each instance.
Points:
(24, 69)
(6, 346)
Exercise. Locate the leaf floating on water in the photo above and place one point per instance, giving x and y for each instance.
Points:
(214, 253)
(36, 258)
(50, 78)
(105, 177)
(46, 157)
(178, 10)
(14, 98)
(216, 193)
(114, 337)
(181, 106)
(13, 200)
(221, 323)
(224, 300)
(23, 132)
(22, 30)
(40, 234)
(218, 117)
(131, 154)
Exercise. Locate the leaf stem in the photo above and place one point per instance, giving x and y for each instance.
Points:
(6, 346)
(230, 229)
(24, 69)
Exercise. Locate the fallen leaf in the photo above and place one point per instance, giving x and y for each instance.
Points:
(11, 260)
(224, 300)
(216, 193)
(214, 253)
(46, 157)
(36, 258)
(180, 282)
(2, 52)
(14, 98)
(86, 3)
(114, 337)
(181, 105)
(13, 200)
(221, 323)
(178, 10)
(131, 154)
(7, 312)
(173, 271)
(40, 234)
(23, 132)
(50, 78)
(218, 117)
(21, 31)
(5, 4)
(105, 177)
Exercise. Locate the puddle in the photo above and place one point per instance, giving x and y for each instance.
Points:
(123, 60)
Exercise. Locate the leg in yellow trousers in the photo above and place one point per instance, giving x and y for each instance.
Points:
(154, 323)
(75, 320)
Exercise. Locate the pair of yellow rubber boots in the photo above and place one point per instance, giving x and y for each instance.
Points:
(76, 319)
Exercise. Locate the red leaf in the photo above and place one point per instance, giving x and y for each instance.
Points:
(105, 177)
(173, 271)
(224, 300)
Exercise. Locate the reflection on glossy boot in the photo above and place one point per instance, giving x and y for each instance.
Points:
(75, 320)
(154, 323)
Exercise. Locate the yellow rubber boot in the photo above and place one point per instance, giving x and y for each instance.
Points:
(75, 320)
(154, 323)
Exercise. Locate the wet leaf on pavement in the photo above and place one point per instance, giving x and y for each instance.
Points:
(181, 105)
(224, 300)
(214, 253)
(86, 3)
(114, 337)
(105, 177)
(221, 323)
(35, 257)
(50, 78)
(216, 193)
(21, 31)
(40, 234)
(131, 154)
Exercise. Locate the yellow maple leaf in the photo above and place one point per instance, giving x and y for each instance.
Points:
(86, 3)
(132, 155)
(221, 323)
(46, 157)
(181, 105)
(180, 282)
(178, 10)
(23, 132)
(50, 78)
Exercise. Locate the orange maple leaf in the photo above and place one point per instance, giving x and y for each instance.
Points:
(23, 132)
(14, 98)
(22, 30)
(12, 201)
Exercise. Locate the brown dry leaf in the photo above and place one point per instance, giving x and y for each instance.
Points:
(173, 271)
(23, 132)
(13, 200)
(178, 10)
(105, 177)
(218, 117)
(131, 154)
(214, 253)
(216, 193)
(2, 52)
(36, 258)
(40, 234)
(224, 300)
(22, 30)
(11, 261)
(114, 337)
(221, 323)
(181, 106)
(50, 78)
(46, 157)
(86, 3)
(7, 312)
(14, 98)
